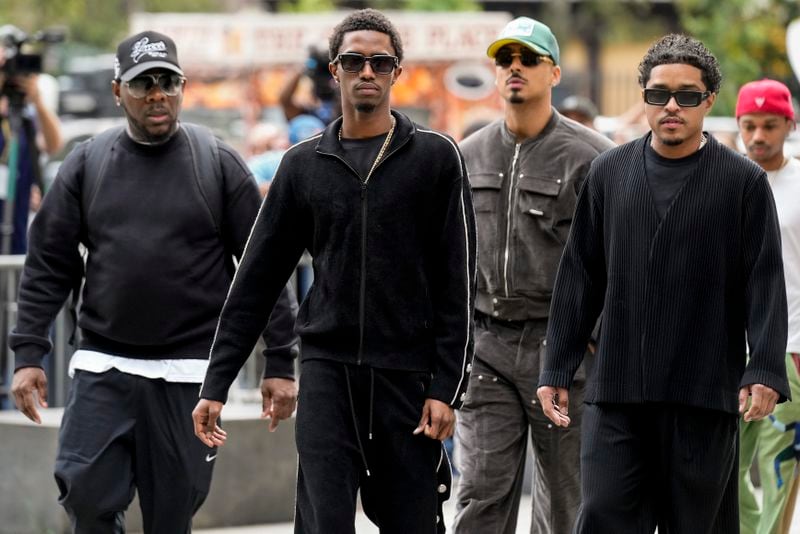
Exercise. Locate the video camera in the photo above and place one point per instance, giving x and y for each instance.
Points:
(18, 63)
(317, 70)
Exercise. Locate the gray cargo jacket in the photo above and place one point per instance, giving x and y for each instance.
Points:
(524, 196)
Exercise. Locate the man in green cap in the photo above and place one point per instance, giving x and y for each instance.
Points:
(525, 171)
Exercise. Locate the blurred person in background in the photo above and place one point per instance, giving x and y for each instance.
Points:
(765, 117)
(384, 208)
(580, 109)
(525, 170)
(40, 130)
(266, 164)
(161, 224)
(263, 137)
(265, 145)
(675, 240)
(323, 102)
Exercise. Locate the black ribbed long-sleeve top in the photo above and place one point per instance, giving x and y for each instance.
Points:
(681, 295)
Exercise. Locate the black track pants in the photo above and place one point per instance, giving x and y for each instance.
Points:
(402, 494)
(120, 432)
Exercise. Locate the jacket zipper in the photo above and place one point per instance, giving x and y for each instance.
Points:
(507, 251)
(362, 297)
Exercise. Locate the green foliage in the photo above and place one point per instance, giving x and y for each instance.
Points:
(99, 23)
(609, 20)
(748, 37)
(179, 6)
(442, 5)
(95, 22)
(306, 6)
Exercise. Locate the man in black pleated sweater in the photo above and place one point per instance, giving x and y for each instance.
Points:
(676, 241)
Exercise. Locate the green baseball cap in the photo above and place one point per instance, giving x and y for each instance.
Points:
(528, 32)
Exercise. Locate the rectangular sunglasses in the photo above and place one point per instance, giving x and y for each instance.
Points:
(505, 57)
(380, 63)
(685, 99)
(169, 84)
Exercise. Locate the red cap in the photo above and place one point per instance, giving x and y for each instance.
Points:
(765, 96)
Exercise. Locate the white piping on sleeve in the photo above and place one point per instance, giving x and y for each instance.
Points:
(468, 313)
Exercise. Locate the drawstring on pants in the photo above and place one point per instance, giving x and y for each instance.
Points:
(371, 401)
(353, 413)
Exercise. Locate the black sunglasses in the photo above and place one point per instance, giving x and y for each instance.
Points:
(169, 84)
(380, 63)
(685, 99)
(505, 57)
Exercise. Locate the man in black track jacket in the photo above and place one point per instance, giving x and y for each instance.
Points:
(383, 206)
(676, 240)
(160, 231)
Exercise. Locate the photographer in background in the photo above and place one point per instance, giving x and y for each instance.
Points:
(325, 103)
(37, 128)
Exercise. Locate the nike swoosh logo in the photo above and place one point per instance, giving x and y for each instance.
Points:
(210, 458)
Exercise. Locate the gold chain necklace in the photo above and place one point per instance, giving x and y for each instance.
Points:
(380, 152)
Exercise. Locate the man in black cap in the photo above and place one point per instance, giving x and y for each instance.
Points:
(161, 209)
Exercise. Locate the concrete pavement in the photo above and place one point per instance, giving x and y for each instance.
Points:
(364, 526)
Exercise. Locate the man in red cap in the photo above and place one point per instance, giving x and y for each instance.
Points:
(765, 117)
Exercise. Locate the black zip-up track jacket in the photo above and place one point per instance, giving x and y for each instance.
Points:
(394, 261)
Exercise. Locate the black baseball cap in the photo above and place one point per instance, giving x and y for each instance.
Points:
(144, 51)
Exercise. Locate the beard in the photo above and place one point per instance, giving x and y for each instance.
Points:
(365, 107)
(675, 141)
(515, 97)
(140, 133)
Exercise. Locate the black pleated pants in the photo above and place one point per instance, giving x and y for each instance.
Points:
(658, 465)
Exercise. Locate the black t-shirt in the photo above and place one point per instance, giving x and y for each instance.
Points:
(361, 153)
(666, 176)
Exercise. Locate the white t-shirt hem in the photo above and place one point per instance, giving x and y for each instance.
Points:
(185, 370)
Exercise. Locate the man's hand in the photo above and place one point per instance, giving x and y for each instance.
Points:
(28, 383)
(763, 400)
(437, 421)
(555, 404)
(205, 416)
(278, 400)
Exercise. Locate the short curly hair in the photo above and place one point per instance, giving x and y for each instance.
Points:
(677, 48)
(365, 19)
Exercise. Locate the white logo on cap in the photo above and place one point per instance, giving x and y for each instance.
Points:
(143, 47)
(760, 101)
(519, 27)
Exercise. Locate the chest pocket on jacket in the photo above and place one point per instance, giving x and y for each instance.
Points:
(544, 205)
(537, 196)
(486, 190)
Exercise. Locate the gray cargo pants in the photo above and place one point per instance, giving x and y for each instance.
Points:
(492, 436)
